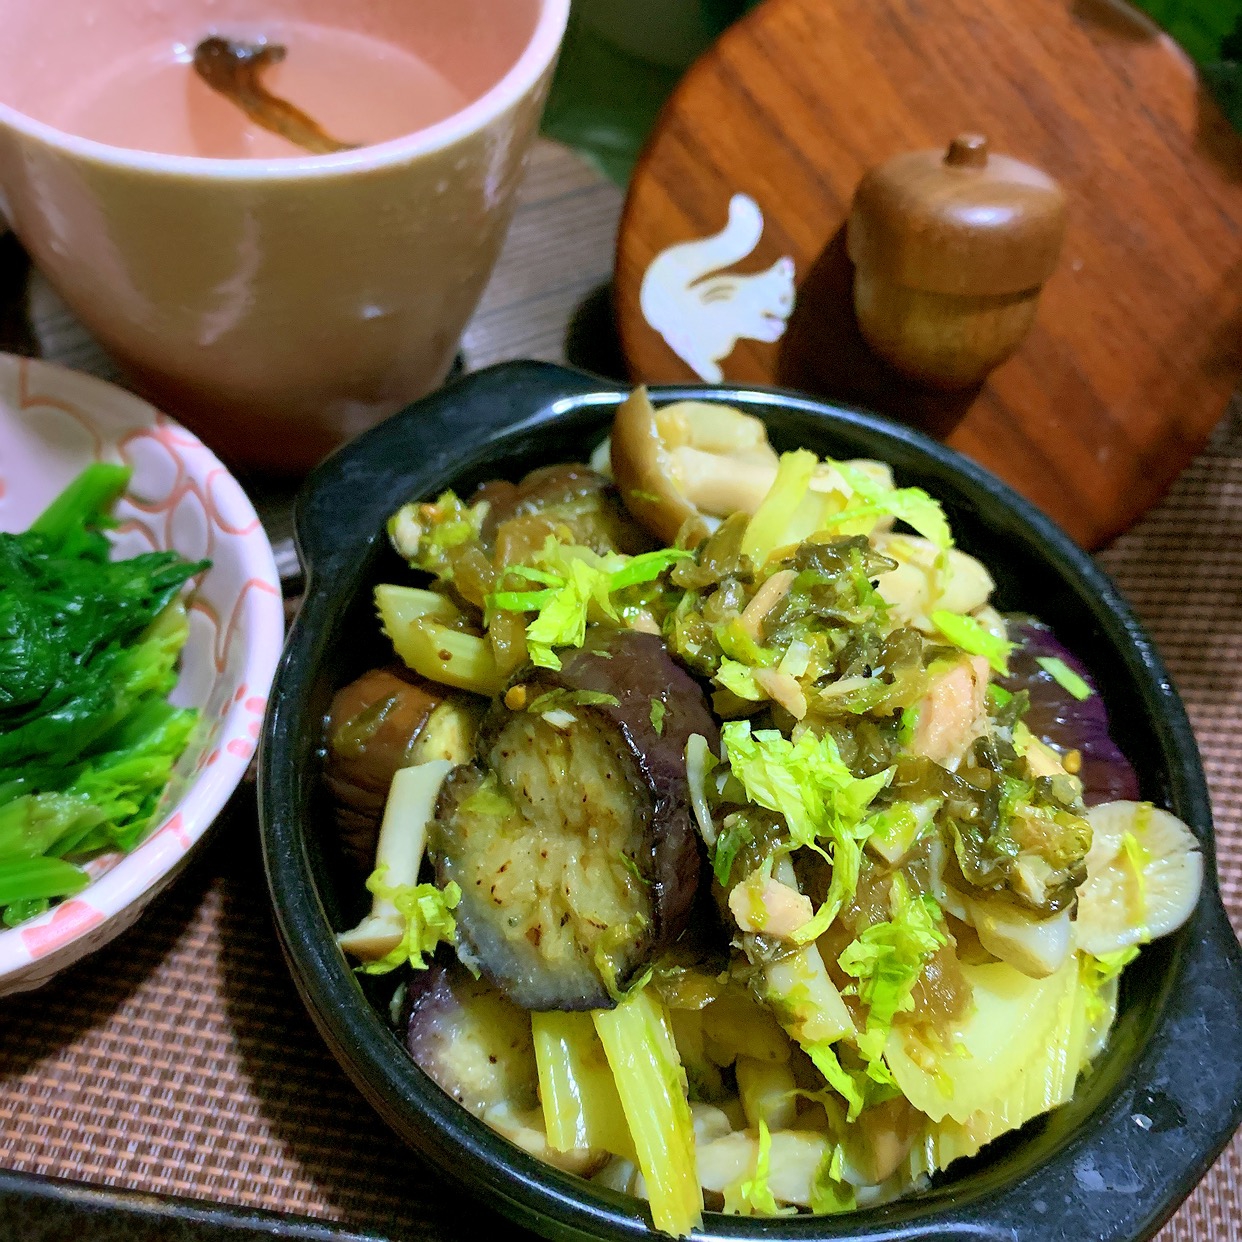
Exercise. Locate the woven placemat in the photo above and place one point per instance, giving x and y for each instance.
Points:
(180, 1060)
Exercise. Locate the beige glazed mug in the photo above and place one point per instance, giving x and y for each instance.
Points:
(277, 302)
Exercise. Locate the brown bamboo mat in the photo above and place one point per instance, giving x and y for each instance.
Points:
(180, 1060)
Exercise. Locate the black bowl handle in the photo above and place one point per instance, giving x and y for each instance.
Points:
(1187, 1090)
(346, 501)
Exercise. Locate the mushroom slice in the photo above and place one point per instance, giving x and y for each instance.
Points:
(1144, 873)
(372, 726)
(571, 835)
(403, 838)
(1036, 947)
(688, 459)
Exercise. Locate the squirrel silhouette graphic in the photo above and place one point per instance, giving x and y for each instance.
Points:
(701, 312)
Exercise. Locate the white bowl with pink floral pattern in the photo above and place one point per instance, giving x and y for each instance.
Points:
(54, 422)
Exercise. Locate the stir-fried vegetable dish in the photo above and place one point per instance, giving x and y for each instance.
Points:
(88, 656)
(729, 847)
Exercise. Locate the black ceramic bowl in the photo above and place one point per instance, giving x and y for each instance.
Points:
(1144, 1125)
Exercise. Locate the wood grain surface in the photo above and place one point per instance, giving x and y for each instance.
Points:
(1137, 345)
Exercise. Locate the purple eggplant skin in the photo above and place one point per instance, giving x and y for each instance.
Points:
(1064, 722)
(599, 825)
(639, 671)
(473, 1043)
(477, 1047)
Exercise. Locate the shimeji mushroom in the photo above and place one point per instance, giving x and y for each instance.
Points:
(444, 742)
(683, 467)
(687, 460)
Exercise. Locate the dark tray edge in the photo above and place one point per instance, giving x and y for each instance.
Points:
(36, 1208)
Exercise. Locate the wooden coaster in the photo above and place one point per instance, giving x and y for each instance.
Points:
(1137, 345)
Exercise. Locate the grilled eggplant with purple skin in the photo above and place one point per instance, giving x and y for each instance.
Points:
(571, 835)
(476, 1046)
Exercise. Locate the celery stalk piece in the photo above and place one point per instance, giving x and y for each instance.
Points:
(638, 1042)
(447, 656)
(581, 1107)
(401, 606)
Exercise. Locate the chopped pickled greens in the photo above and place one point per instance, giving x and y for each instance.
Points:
(578, 581)
(425, 534)
(571, 698)
(735, 833)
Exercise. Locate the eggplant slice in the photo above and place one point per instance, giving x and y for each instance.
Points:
(476, 1046)
(470, 1040)
(571, 835)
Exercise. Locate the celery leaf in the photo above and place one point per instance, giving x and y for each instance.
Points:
(966, 633)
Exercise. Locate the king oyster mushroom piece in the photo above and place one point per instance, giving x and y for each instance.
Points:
(571, 834)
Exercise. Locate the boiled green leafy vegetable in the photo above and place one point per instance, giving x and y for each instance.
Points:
(88, 656)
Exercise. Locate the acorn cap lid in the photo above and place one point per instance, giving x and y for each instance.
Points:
(963, 221)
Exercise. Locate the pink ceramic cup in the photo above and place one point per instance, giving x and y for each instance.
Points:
(275, 305)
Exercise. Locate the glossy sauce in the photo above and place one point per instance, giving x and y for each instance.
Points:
(360, 89)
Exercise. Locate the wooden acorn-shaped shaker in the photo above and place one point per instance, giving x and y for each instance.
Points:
(950, 252)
